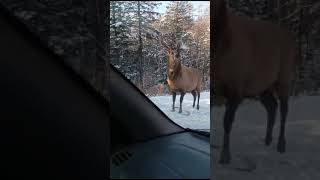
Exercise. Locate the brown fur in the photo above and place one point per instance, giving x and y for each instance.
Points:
(181, 78)
(251, 56)
(251, 59)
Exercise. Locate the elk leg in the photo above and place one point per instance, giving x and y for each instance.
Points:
(231, 108)
(270, 103)
(181, 99)
(198, 100)
(284, 111)
(173, 99)
(194, 97)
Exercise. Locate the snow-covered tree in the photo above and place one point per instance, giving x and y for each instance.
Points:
(129, 20)
(143, 59)
(178, 18)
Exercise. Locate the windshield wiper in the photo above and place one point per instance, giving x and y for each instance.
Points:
(204, 133)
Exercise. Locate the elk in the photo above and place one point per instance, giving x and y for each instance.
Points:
(252, 59)
(181, 78)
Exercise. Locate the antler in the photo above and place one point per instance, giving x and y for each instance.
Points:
(157, 35)
(163, 43)
(178, 48)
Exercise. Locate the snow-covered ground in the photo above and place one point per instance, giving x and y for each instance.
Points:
(190, 117)
(251, 159)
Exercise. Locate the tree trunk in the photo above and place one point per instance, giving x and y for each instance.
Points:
(271, 8)
(140, 56)
(98, 63)
(102, 62)
(117, 56)
(279, 11)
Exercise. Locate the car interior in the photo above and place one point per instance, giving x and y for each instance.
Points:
(69, 130)
(53, 124)
(145, 143)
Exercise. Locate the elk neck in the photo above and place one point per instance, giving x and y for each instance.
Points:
(177, 73)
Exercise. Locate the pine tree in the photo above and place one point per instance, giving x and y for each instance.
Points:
(121, 41)
(142, 15)
(178, 19)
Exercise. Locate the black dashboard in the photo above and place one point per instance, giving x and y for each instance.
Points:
(180, 155)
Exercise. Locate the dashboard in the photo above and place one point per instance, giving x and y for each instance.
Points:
(181, 155)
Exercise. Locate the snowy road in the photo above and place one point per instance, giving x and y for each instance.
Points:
(190, 117)
(251, 159)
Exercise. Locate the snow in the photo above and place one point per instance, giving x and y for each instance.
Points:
(116, 24)
(186, 34)
(251, 159)
(183, 46)
(190, 117)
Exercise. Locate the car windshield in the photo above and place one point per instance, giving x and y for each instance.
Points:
(151, 42)
(163, 48)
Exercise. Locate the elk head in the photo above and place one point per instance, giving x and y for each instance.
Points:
(174, 63)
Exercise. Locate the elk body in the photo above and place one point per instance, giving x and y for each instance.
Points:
(252, 59)
(182, 79)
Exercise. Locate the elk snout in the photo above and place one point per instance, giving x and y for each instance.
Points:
(170, 72)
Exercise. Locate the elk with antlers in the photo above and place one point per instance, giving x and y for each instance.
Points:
(181, 79)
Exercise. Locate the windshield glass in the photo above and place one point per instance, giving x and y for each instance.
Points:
(163, 47)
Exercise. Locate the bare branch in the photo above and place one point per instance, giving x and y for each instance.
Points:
(290, 15)
(162, 42)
